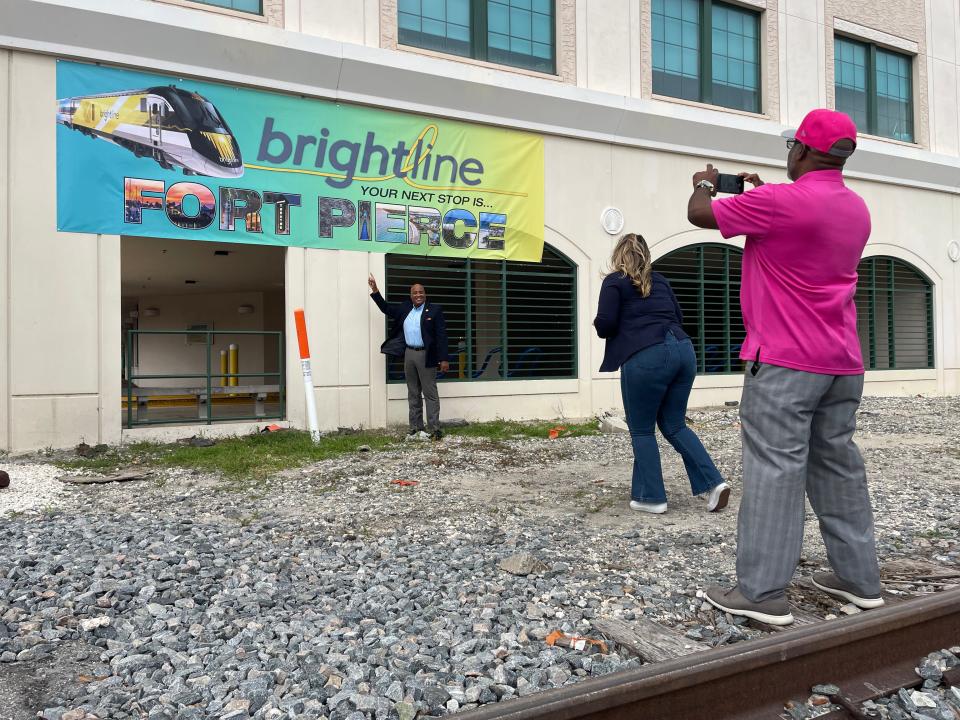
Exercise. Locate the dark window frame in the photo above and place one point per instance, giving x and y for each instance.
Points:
(877, 284)
(705, 60)
(710, 359)
(882, 281)
(218, 6)
(556, 345)
(479, 39)
(871, 86)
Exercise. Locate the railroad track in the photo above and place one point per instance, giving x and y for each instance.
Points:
(867, 656)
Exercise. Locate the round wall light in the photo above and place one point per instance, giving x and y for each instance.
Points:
(612, 220)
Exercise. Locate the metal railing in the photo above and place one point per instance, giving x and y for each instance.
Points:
(206, 390)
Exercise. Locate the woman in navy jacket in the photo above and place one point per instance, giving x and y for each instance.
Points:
(640, 319)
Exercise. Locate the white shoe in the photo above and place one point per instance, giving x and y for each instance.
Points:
(655, 508)
(718, 497)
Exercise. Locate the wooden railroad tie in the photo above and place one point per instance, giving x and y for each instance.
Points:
(649, 641)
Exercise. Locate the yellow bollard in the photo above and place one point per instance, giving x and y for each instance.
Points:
(234, 363)
(223, 368)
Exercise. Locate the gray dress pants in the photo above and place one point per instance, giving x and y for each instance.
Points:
(421, 386)
(797, 430)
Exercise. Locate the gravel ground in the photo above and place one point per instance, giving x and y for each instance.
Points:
(331, 591)
(36, 488)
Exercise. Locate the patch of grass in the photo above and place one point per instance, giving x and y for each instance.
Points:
(254, 457)
(259, 455)
(512, 429)
(249, 457)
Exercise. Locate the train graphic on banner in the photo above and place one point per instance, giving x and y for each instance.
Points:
(175, 127)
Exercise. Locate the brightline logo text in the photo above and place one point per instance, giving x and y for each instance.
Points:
(352, 161)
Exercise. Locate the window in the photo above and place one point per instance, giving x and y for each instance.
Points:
(505, 320)
(873, 86)
(894, 315)
(708, 52)
(706, 281)
(250, 6)
(510, 32)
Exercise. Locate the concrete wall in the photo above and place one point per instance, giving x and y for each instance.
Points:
(5, 113)
(942, 34)
(62, 300)
(606, 143)
(354, 22)
(172, 354)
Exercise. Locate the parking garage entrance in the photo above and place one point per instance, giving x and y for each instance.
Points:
(203, 332)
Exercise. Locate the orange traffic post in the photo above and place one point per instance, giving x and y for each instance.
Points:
(301, 322)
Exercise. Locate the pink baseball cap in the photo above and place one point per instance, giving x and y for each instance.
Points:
(822, 128)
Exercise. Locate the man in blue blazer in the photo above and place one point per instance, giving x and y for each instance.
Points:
(419, 335)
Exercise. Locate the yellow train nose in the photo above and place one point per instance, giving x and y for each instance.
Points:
(223, 144)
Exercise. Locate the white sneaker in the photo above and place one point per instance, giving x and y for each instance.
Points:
(717, 500)
(655, 508)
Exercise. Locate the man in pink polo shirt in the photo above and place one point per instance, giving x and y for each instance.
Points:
(804, 376)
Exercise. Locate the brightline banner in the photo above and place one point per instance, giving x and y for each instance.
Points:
(152, 155)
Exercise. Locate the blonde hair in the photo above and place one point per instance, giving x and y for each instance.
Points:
(631, 258)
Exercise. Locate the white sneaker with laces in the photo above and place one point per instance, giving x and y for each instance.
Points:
(655, 508)
(717, 500)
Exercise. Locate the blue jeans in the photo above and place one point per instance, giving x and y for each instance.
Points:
(656, 383)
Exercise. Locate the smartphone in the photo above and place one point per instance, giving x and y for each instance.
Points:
(731, 184)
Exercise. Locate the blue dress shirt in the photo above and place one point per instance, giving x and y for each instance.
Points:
(411, 328)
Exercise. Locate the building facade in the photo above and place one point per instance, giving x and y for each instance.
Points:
(631, 97)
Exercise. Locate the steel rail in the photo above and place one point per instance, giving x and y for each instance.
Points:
(864, 655)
